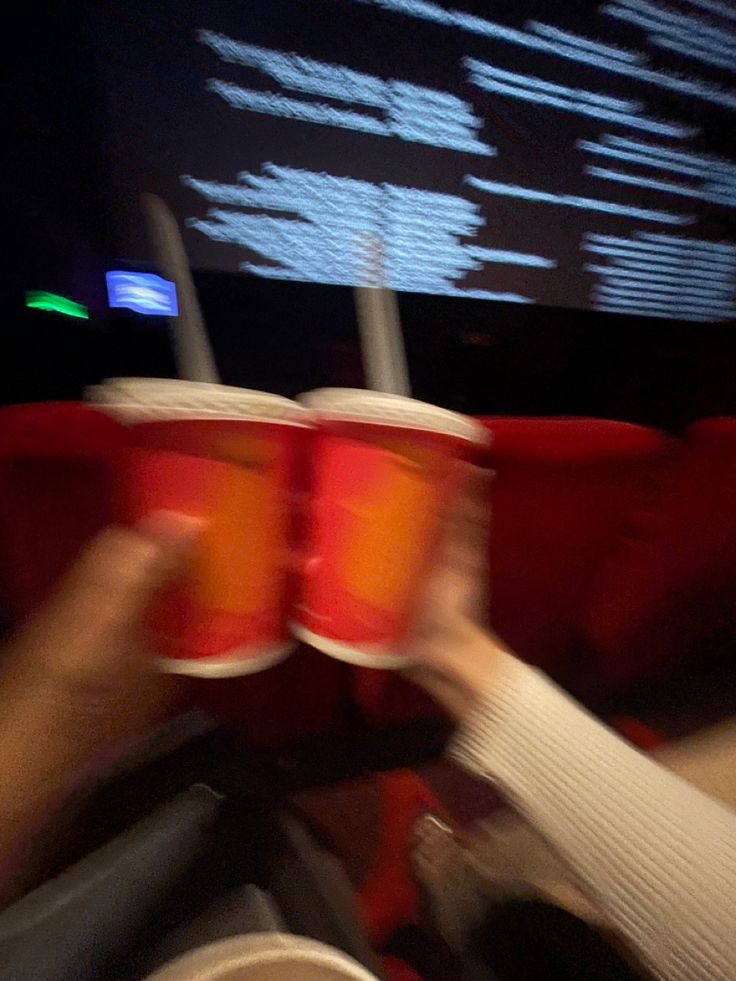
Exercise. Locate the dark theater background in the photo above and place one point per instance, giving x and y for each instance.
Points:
(551, 188)
(76, 163)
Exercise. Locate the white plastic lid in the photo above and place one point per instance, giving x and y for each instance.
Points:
(149, 399)
(264, 957)
(381, 408)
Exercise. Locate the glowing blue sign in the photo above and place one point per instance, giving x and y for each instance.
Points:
(142, 292)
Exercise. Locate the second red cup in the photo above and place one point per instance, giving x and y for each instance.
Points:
(384, 469)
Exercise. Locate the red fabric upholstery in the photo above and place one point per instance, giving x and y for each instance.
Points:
(398, 970)
(390, 897)
(564, 489)
(55, 492)
(671, 583)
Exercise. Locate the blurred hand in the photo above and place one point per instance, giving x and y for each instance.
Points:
(76, 685)
(82, 650)
(456, 658)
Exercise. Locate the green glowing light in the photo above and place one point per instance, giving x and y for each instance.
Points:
(41, 300)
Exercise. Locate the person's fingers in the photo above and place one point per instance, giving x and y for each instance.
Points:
(172, 529)
(103, 596)
(472, 504)
(461, 583)
(469, 520)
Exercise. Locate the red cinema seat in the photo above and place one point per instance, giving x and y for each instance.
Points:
(563, 491)
(56, 477)
(670, 586)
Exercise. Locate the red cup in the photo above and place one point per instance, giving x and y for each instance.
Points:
(384, 469)
(228, 456)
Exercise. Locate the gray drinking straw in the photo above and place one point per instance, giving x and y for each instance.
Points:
(194, 358)
(382, 342)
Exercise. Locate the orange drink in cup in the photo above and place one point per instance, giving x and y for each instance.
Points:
(228, 456)
(384, 469)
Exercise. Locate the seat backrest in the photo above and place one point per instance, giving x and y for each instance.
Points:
(669, 587)
(56, 475)
(563, 491)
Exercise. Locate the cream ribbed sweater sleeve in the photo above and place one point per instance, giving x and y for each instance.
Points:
(658, 855)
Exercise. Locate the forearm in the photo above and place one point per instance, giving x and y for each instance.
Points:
(658, 856)
(76, 685)
(49, 742)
